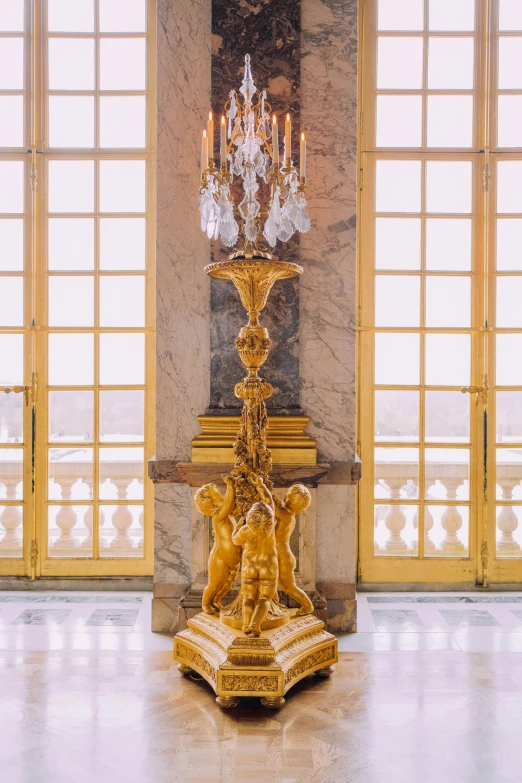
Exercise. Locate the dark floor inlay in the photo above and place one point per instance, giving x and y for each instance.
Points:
(42, 617)
(456, 617)
(103, 617)
(445, 599)
(400, 618)
(27, 598)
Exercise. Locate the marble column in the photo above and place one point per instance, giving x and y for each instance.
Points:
(183, 351)
(327, 287)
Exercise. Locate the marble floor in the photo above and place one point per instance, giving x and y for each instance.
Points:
(89, 695)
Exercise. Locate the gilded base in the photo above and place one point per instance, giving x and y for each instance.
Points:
(266, 625)
(237, 665)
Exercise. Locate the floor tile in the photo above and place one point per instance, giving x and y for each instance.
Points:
(42, 617)
(403, 618)
(496, 642)
(404, 598)
(104, 617)
(383, 641)
(468, 617)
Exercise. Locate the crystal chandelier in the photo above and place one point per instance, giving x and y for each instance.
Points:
(249, 151)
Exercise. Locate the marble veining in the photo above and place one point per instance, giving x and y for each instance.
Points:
(104, 617)
(269, 30)
(27, 598)
(455, 617)
(402, 618)
(42, 617)
(445, 599)
(172, 534)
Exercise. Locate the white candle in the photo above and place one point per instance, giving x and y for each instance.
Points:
(275, 143)
(303, 157)
(204, 152)
(223, 145)
(288, 137)
(210, 134)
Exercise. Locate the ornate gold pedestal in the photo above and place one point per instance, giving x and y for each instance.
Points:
(236, 665)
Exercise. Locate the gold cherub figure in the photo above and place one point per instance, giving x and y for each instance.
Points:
(296, 500)
(259, 564)
(223, 561)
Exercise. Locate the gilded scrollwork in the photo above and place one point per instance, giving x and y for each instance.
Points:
(249, 682)
(196, 659)
(309, 662)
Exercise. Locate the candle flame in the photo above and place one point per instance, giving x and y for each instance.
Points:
(302, 137)
(222, 119)
(288, 118)
(274, 120)
(210, 115)
(204, 134)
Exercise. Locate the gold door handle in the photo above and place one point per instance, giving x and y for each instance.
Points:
(30, 392)
(480, 391)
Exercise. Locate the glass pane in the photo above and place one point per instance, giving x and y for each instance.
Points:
(71, 359)
(510, 15)
(11, 301)
(11, 531)
(71, 64)
(121, 533)
(71, 121)
(397, 243)
(11, 474)
(509, 192)
(447, 474)
(509, 369)
(397, 359)
(71, 416)
(122, 186)
(399, 63)
(122, 243)
(123, 16)
(510, 120)
(450, 64)
(71, 243)
(400, 15)
(122, 416)
(11, 63)
(448, 244)
(508, 416)
(11, 418)
(11, 186)
(448, 358)
(70, 531)
(70, 474)
(12, 244)
(446, 417)
(122, 359)
(396, 416)
(399, 121)
(71, 301)
(397, 300)
(448, 15)
(509, 313)
(396, 530)
(396, 473)
(450, 120)
(398, 186)
(448, 186)
(446, 531)
(122, 64)
(12, 125)
(122, 121)
(509, 474)
(448, 301)
(12, 359)
(509, 63)
(71, 186)
(122, 301)
(12, 16)
(66, 17)
(121, 473)
(509, 531)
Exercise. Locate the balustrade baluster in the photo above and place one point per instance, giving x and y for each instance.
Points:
(122, 517)
(451, 520)
(507, 520)
(395, 519)
(11, 521)
(66, 518)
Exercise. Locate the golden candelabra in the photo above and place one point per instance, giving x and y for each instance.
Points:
(255, 646)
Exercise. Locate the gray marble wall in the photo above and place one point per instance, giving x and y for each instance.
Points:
(183, 351)
(327, 287)
(268, 30)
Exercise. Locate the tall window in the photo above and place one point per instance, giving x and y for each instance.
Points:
(440, 408)
(76, 258)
